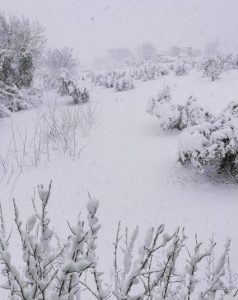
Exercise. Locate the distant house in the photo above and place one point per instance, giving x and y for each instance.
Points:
(184, 52)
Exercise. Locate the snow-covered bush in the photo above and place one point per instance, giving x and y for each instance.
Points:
(110, 79)
(162, 97)
(57, 59)
(150, 72)
(25, 70)
(181, 69)
(21, 44)
(164, 71)
(234, 61)
(176, 116)
(124, 83)
(169, 114)
(230, 112)
(156, 267)
(52, 269)
(4, 112)
(194, 114)
(212, 67)
(69, 87)
(12, 98)
(213, 145)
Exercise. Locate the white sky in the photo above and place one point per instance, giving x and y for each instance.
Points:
(93, 26)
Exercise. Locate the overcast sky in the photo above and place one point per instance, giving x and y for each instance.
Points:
(93, 26)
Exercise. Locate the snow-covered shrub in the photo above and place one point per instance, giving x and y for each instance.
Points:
(16, 73)
(164, 71)
(150, 72)
(25, 70)
(176, 116)
(156, 103)
(160, 266)
(212, 67)
(230, 112)
(181, 69)
(78, 92)
(110, 79)
(8, 69)
(55, 60)
(124, 83)
(194, 114)
(234, 61)
(171, 117)
(69, 87)
(12, 99)
(212, 145)
(52, 269)
(169, 114)
(4, 112)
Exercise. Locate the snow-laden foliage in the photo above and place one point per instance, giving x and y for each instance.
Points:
(52, 269)
(57, 59)
(213, 144)
(162, 97)
(145, 72)
(16, 68)
(176, 116)
(106, 79)
(4, 112)
(70, 87)
(13, 99)
(124, 83)
(154, 268)
(213, 67)
(181, 69)
(21, 44)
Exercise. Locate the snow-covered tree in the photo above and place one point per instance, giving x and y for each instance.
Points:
(17, 33)
(57, 59)
(21, 44)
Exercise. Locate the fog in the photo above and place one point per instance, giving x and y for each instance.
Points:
(93, 26)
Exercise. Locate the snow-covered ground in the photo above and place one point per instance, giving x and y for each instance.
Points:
(131, 166)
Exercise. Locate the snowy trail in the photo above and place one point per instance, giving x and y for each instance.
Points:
(130, 166)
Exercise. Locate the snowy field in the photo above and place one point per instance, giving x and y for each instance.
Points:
(130, 165)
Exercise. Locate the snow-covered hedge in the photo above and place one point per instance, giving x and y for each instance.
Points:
(160, 266)
(213, 144)
(124, 83)
(176, 116)
(149, 71)
(106, 79)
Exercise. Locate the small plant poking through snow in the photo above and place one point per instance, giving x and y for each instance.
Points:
(56, 270)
